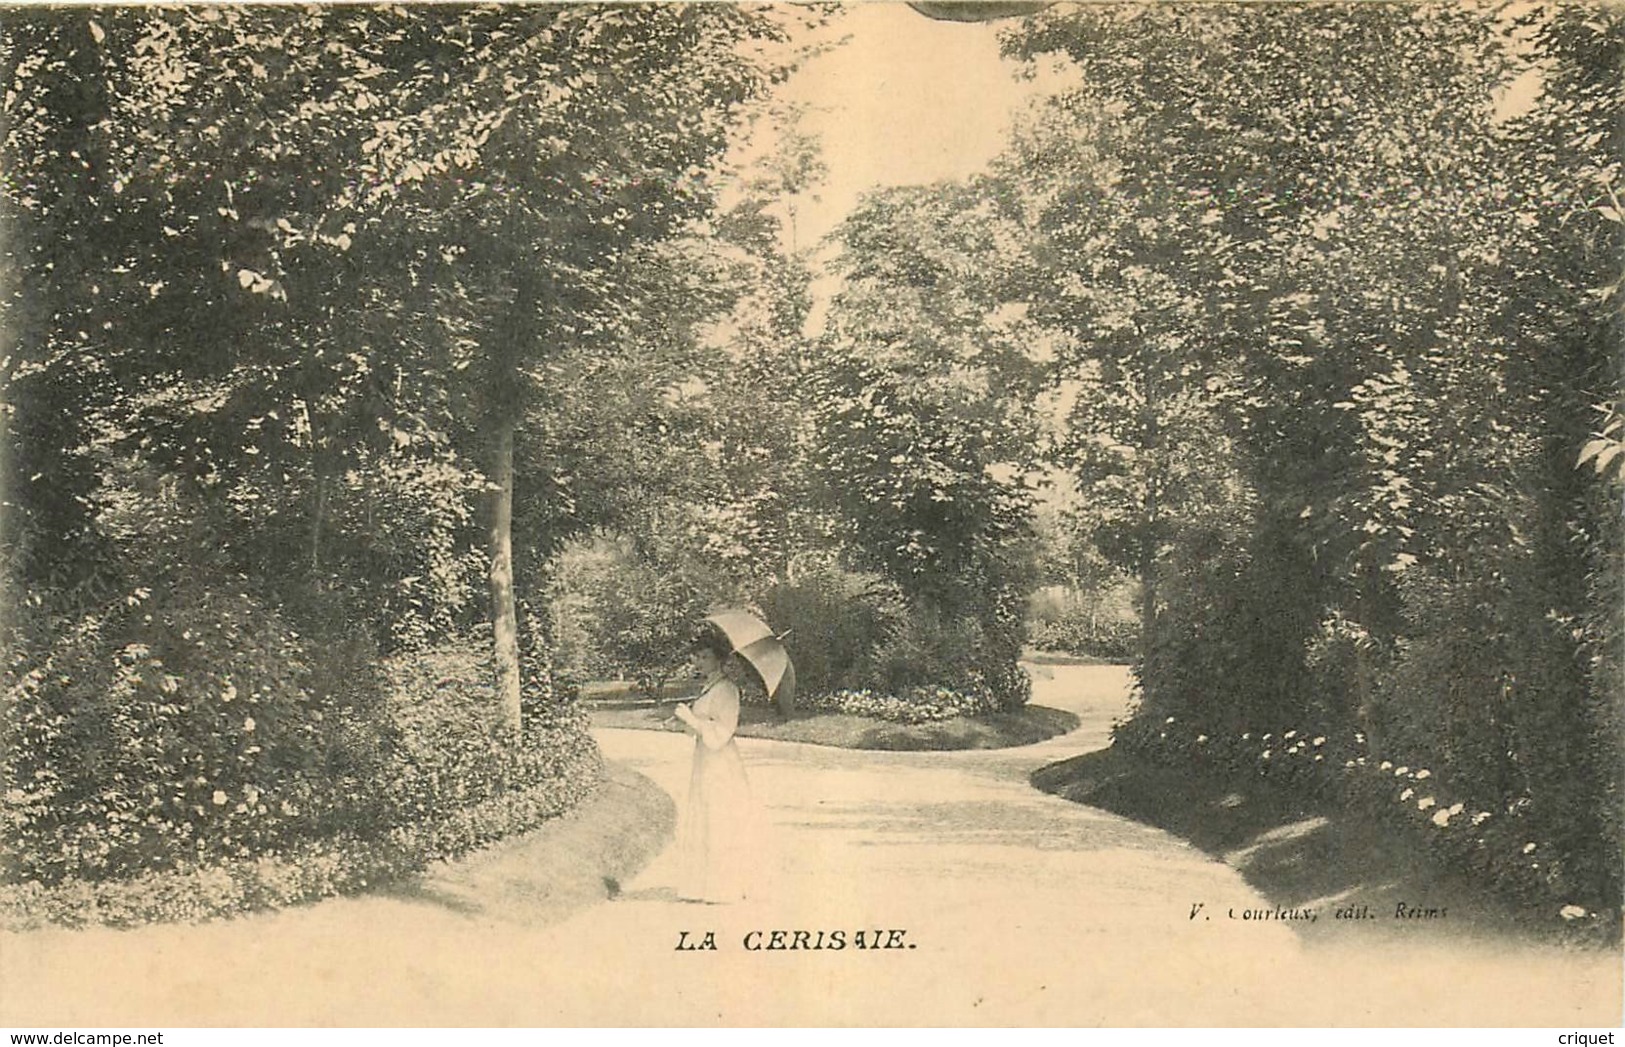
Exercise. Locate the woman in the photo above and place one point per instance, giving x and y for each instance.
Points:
(715, 832)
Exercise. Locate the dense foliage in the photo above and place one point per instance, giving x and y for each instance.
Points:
(865, 487)
(270, 800)
(302, 309)
(331, 335)
(182, 724)
(1337, 319)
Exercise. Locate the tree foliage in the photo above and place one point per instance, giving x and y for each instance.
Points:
(923, 404)
(1321, 288)
(309, 298)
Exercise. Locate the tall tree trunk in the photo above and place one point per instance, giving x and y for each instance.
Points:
(504, 615)
(1151, 532)
(1148, 596)
(515, 337)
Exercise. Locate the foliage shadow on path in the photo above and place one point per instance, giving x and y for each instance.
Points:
(576, 860)
(1295, 851)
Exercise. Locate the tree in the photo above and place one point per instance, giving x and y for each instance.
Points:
(1231, 156)
(1397, 307)
(383, 224)
(922, 398)
(643, 93)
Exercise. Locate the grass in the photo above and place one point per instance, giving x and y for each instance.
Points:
(1033, 723)
(1293, 850)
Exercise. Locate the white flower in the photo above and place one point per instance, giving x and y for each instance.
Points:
(1348, 763)
(1407, 794)
(228, 692)
(1529, 848)
(1265, 755)
(1572, 912)
(1169, 720)
(248, 725)
(1201, 738)
(1481, 817)
(1425, 802)
(1290, 734)
(219, 798)
(1386, 766)
(1457, 808)
(1246, 736)
(1319, 740)
(1441, 817)
(1420, 775)
(1399, 771)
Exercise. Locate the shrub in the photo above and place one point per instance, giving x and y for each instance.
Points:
(180, 724)
(309, 871)
(835, 621)
(424, 776)
(1076, 632)
(1503, 845)
(1098, 620)
(620, 612)
(451, 751)
(933, 650)
(1486, 686)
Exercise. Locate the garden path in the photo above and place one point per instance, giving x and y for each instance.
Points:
(1019, 909)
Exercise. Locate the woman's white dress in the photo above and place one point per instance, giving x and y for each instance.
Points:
(717, 831)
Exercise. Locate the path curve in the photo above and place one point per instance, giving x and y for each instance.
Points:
(1020, 909)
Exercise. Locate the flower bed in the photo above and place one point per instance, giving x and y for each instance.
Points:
(915, 706)
(428, 774)
(1499, 847)
(338, 865)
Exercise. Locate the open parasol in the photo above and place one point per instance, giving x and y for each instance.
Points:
(757, 644)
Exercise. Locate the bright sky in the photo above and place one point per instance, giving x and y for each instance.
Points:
(908, 100)
(905, 101)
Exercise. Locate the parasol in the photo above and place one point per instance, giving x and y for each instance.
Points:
(757, 644)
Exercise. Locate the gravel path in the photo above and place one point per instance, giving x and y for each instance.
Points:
(1014, 907)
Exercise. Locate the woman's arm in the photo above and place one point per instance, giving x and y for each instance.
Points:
(715, 730)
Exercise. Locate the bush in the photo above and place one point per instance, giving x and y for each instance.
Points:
(618, 615)
(1075, 632)
(451, 751)
(310, 871)
(182, 724)
(932, 650)
(424, 776)
(1098, 621)
(835, 620)
(1500, 844)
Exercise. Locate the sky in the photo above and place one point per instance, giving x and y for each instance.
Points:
(908, 100)
(904, 101)
(901, 99)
